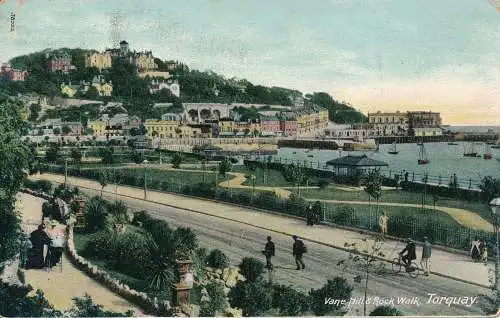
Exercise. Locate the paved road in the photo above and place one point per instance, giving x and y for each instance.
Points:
(238, 240)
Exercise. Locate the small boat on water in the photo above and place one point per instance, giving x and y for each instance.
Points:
(422, 156)
(470, 151)
(452, 144)
(487, 153)
(310, 156)
(393, 150)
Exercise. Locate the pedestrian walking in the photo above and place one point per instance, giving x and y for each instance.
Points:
(426, 256)
(382, 221)
(485, 255)
(269, 252)
(299, 249)
(475, 250)
(309, 215)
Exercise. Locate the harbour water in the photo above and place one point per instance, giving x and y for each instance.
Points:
(445, 160)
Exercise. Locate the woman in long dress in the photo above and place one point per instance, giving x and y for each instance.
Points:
(475, 250)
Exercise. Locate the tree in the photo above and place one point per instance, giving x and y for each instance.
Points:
(224, 167)
(137, 157)
(92, 93)
(252, 269)
(103, 179)
(337, 289)
(76, 155)
(52, 154)
(366, 255)
(490, 188)
(254, 298)
(34, 111)
(88, 131)
(295, 175)
(386, 311)
(176, 160)
(56, 131)
(17, 302)
(160, 268)
(373, 187)
(107, 155)
(65, 129)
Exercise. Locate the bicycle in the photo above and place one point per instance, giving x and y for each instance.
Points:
(413, 269)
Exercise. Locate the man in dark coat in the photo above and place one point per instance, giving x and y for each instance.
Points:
(298, 251)
(309, 215)
(409, 253)
(38, 240)
(269, 251)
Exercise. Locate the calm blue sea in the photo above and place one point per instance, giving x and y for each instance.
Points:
(445, 160)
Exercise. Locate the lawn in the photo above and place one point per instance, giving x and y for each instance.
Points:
(173, 176)
(270, 177)
(397, 196)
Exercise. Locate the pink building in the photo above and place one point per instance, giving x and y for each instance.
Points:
(8, 72)
(60, 63)
(270, 125)
(289, 127)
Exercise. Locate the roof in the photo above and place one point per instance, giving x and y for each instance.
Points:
(123, 42)
(355, 161)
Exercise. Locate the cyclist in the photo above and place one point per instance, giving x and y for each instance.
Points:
(410, 255)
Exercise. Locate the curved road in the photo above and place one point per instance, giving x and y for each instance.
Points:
(238, 240)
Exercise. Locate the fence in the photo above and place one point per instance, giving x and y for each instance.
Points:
(415, 222)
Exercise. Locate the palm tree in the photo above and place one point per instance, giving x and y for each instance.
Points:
(95, 213)
(160, 268)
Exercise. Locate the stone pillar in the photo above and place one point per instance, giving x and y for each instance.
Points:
(182, 290)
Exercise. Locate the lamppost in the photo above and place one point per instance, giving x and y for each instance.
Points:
(495, 209)
(65, 171)
(145, 178)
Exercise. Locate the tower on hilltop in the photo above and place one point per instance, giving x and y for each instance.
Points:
(124, 49)
(116, 27)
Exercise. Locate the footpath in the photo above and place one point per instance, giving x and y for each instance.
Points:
(444, 263)
(64, 281)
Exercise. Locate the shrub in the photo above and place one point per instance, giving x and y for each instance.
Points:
(345, 215)
(251, 269)
(184, 240)
(337, 288)
(100, 246)
(199, 258)
(233, 160)
(242, 198)
(323, 184)
(254, 298)
(217, 303)
(95, 213)
(141, 218)
(47, 209)
(289, 301)
(217, 259)
(386, 311)
(130, 254)
(295, 205)
(206, 190)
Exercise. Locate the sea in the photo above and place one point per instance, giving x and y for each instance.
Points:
(445, 160)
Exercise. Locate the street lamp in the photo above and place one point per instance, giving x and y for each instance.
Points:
(145, 178)
(495, 209)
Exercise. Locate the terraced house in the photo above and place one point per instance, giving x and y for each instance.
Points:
(170, 126)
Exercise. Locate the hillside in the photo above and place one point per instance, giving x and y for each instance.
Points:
(133, 91)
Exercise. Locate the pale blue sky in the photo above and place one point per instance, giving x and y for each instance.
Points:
(377, 54)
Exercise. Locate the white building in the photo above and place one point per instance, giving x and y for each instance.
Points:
(157, 85)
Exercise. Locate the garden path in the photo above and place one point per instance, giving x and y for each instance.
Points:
(63, 283)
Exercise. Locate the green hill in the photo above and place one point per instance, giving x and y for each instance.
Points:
(196, 86)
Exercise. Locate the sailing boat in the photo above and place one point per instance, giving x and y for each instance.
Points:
(422, 156)
(471, 151)
(497, 146)
(393, 150)
(487, 153)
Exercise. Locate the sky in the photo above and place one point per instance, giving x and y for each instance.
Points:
(387, 55)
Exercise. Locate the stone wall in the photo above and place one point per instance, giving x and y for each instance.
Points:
(141, 299)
